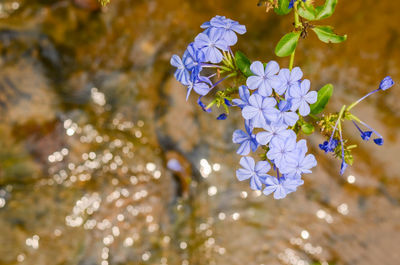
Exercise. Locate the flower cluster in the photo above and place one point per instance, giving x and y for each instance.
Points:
(276, 105)
(209, 49)
(279, 98)
(332, 145)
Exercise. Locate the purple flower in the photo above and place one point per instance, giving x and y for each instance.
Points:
(292, 182)
(285, 116)
(301, 98)
(255, 172)
(379, 140)
(202, 105)
(343, 166)
(329, 146)
(201, 85)
(386, 83)
(280, 149)
(247, 140)
(181, 74)
(229, 26)
(281, 187)
(244, 95)
(260, 110)
(210, 44)
(263, 79)
(364, 135)
(222, 117)
(192, 59)
(298, 161)
(271, 132)
(288, 79)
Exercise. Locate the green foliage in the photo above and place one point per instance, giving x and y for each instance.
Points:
(326, 34)
(307, 128)
(327, 9)
(308, 11)
(283, 7)
(243, 63)
(287, 44)
(324, 94)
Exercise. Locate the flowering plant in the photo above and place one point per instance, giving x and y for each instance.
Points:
(276, 103)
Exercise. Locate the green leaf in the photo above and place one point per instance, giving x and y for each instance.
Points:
(326, 10)
(287, 44)
(324, 94)
(326, 34)
(243, 63)
(307, 11)
(283, 7)
(307, 128)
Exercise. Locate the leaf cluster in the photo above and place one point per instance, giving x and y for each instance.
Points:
(307, 12)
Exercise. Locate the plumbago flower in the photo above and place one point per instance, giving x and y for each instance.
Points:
(247, 140)
(257, 173)
(229, 27)
(210, 49)
(300, 98)
(260, 111)
(277, 104)
(288, 79)
(263, 79)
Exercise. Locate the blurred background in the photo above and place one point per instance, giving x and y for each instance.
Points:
(90, 116)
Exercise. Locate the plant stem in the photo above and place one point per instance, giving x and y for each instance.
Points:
(291, 60)
(296, 24)
(340, 118)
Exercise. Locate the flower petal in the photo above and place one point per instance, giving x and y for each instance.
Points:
(257, 68)
(272, 68)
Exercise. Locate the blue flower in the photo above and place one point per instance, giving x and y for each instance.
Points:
(285, 116)
(386, 83)
(343, 166)
(288, 79)
(364, 135)
(202, 105)
(247, 140)
(271, 132)
(257, 173)
(229, 26)
(281, 187)
(210, 44)
(263, 79)
(329, 146)
(222, 117)
(301, 98)
(201, 85)
(379, 140)
(192, 59)
(280, 149)
(292, 182)
(244, 95)
(298, 161)
(260, 110)
(181, 74)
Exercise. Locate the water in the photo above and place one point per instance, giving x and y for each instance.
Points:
(90, 115)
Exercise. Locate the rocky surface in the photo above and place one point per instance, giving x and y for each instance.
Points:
(90, 115)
